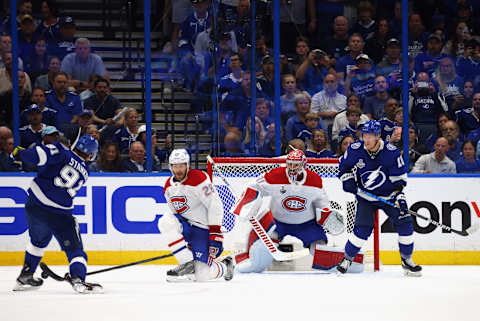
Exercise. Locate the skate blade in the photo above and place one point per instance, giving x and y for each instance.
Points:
(181, 279)
(24, 287)
(84, 289)
(412, 274)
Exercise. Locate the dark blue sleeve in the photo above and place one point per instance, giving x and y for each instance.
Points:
(397, 172)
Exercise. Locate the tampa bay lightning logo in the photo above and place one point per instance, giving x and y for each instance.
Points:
(373, 179)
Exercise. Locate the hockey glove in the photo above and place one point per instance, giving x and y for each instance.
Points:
(349, 184)
(331, 220)
(401, 203)
(215, 242)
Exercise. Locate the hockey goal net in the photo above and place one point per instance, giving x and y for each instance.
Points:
(231, 176)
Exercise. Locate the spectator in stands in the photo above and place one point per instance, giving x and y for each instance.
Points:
(6, 75)
(232, 144)
(102, 103)
(66, 103)
(376, 45)
(417, 36)
(136, 162)
(109, 159)
(38, 62)
(46, 81)
(181, 9)
(268, 149)
(388, 123)
(415, 149)
(240, 24)
(262, 111)
(49, 28)
(234, 79)
(447, 81)
(391, 61)
(266, 78)
(455, 47)
(311, 123)
(442, 120)
(425, 106)
(437, 161)
(251, 148)
(127, 134)
(198, 21)
(312, 71)
(6, 46)
(85, 118)
(469, 66)
(92, 130)
(158, 155)
(318, 146)
(81, 64)
(295, 143)
(6, 161)
(65, 43)
(328, 102)
(89, 92)
(301, 52)
(26, 39)
(296, 124)
(6, 100)
(49, 115)
(452, 133)
(30, 135)
(347, 62)
(336, 44)
(361, 78)
(354, 124)
(464, 14)
(343, 145)
(287, 105)
(341, 120)
(469, 118)
(468, 163)
(395, 24)
(465, 99)
(365, 24)
(428, 60)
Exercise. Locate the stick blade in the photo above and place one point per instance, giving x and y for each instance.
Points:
(290, 256)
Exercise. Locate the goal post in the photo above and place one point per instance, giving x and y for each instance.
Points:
(240, 172)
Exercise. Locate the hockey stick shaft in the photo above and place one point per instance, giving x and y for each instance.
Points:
(260, 231)
(438, 224)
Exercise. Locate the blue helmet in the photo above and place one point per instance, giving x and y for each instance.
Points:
(372, 127)
(87, 145)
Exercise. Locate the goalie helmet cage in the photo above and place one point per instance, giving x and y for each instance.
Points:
(239, 172)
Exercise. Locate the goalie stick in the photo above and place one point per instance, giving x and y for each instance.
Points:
(468, 231)
(47, 272)
(260, 231)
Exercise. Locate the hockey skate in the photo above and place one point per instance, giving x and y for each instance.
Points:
(410, 268)
(343, 266)
(26, 281)
(228, 261)
(183, 272)
(83, 287)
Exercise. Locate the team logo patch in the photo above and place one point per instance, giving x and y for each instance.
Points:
(391, 147)
(373, 179)
(294, 203)
(180, 204)
(360, 163)
(355, 145)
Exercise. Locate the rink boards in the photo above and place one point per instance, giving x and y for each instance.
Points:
(118, 217)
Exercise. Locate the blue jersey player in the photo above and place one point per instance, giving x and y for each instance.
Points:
(374, 166)
(49, 209)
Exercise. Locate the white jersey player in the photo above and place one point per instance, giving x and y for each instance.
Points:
(193, 229)
(299, 206)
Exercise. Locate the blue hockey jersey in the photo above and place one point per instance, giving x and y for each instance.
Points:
(467, 120)
(61, 173)
(378, 174)
(387, 128)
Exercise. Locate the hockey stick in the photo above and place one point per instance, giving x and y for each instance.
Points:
(468, 231)
(260, 231)
(47, 272)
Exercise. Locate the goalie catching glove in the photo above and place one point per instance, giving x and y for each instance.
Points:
(331, 220)
(215, 241)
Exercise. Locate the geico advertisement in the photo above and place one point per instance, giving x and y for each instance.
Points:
(122, 212)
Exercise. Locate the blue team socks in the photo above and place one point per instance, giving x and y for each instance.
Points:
(32, 261)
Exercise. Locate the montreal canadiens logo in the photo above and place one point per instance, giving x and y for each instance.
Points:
(373, 179)
(180, 204)
(294, 203)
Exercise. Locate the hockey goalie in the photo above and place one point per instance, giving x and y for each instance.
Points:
(289, 201)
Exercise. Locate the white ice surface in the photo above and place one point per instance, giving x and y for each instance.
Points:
(140, 293)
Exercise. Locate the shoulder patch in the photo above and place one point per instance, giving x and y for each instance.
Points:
(391, 147)
(277, 176)
(355, 145)
(195, 177)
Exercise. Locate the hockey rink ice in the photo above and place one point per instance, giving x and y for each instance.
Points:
(140, 293)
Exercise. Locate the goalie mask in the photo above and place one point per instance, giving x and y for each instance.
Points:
(296, 162)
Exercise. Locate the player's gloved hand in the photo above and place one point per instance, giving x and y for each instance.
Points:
(16, 151)
(215, 242)
(401, 203)
(349, 184)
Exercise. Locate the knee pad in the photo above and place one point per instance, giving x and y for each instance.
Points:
(259, 259)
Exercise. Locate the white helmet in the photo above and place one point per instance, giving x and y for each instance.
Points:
(179, 156)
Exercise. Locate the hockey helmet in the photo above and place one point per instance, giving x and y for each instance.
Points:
(179, 156)
(87, 145)
(372, 127)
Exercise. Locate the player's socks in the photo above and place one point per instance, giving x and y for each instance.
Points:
(26, 281)
(183, 271)
(83, 287)
(410, 268)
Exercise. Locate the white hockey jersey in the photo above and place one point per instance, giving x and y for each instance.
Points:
(195, 199)
(291, 203)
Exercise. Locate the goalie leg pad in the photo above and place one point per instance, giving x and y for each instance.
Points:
(259, 260)
(326, 258)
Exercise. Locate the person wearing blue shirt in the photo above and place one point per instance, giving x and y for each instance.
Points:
(26, 37)
(361, 78)
(67, 104)
(49, 28)
(296, 124)
(469, 118)
(49, 115)
(468, 163)
(388, 123)
(30, 135)
(49, 209)
(347, 62)
(318, 145)
(65, 43)
(446, 80)
(311, 72)
(127, 134)
(428, 60)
